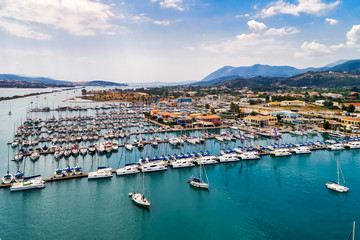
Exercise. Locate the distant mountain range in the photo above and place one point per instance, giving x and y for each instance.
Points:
(17, 81)
(266, 71)
(342, 75)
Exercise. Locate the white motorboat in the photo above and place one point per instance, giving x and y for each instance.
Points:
(207, 160)
(353, 145)
(153, 166)
(34, 182)
(228, 157)
(336, 146)
(219, 138)
(7, 178)
(108, 147)
(249, 156)
(183, 163)
(176, 141)
(101, 148)
(130, 168)
(302, 150)
(102, 172)
(281, 152)
(336, 186)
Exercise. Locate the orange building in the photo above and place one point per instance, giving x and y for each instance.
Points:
(215, 119)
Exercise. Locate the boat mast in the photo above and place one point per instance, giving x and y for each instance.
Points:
(337, 165)
(143, 183)
(8, 161)
(200, 171)
(353, 235)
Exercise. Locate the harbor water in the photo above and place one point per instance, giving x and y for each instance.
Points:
(270, 198)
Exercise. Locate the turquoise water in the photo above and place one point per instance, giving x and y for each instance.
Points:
(272, 198)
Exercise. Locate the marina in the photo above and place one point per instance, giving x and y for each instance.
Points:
(243, 182)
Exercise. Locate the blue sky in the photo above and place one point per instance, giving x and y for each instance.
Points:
(171, 40)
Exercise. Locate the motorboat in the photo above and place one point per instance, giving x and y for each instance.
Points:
(7, 178)
(207, 160)
(228, 157)
(33, 182)
(249, 156)
(153, 166)
(353, 145)
(102, 172)
(336, 146)
(182, 163)
(58, 173)
(130, 168)
(302, 150)
(281, 152)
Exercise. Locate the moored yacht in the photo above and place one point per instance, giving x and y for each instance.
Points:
(153, 166)
(102, 172)
(353, 145)
(228, 157)
(302, 150)
(28, 183)
(281, 152)
(182, 163)
(249, 156)
(336, 146)
(130, 168)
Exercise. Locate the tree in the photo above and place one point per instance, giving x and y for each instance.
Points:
(328, 104)
(327, 125)
(253, 113)
(234, 107)
(83, 92)
(212, 110)
(343, 107)
(207, 106)
(351, 108)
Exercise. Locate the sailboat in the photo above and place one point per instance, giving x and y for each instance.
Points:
(28, 183)
(10, 113)
(8, 178)
(138, 198)
(335, 186)
(198, 182)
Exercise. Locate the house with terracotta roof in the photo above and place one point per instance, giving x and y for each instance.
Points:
(356, 105)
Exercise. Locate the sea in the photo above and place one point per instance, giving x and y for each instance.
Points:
(270, 198)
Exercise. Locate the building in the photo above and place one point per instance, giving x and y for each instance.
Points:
(184, 100)
(208, 119)
(348, 121)
(261, 121)
(271, 104)
(294, 103)
(356, 105)
(183, 121)
(286, 115)
(320, 102)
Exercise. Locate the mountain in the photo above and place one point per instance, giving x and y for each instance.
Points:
(161, 84)
(259, 70)
(12, 77)
(102, 83)
(351, 65)
(322, 79)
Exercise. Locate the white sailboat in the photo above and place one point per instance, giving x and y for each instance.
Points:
(8, 178)
(198, 182)
(138, 198)
(33, 182)
(335, 186)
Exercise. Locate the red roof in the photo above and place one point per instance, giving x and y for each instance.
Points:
(355, 104)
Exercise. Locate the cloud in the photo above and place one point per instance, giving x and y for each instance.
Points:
(32, 18)
(331, 21)
(242, 15)
(257, 42)
(353, 37)
(142, 18)
(256, 26)
(313, 49)
(163, 22)
(176, 4)
(314, 7)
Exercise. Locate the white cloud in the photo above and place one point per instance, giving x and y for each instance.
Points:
(22, 30)
(353, 36)
(331, 21)
(314, 7)
(242, 15)
(177, 4)
(257, 43)
(256, 26)
(338, 46)
(80, 17)
(163, 22)
(313, 49)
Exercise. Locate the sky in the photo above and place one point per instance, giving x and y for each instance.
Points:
(136, 41)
